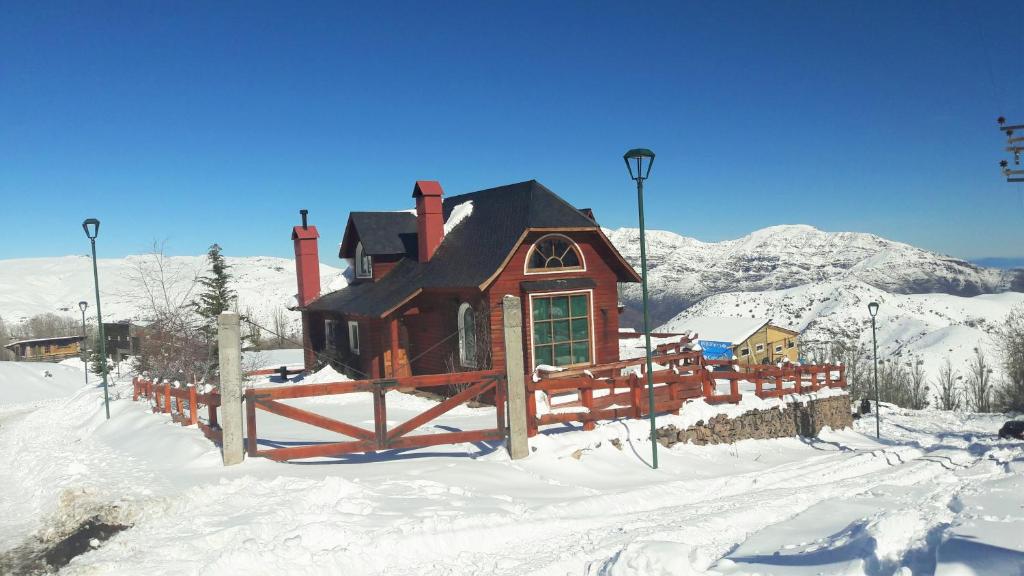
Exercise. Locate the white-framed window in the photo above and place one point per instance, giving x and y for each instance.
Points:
(554, 253)
(353, 336)
(745, 352)
(778, 349)
(467, 335)
(331, 334)
(562, 328)
(364, 263)
(759, 348)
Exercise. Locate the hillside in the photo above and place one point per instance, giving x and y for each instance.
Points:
(931, 326)
(684, 270)
(37, 285)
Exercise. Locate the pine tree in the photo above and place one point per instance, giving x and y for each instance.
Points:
(216, 296)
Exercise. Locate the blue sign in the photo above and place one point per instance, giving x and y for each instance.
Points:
(716, 350)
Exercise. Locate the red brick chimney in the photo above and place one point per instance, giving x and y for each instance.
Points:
(429, 217)
(307, 261)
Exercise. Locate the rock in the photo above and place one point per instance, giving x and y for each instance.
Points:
(1012, 429)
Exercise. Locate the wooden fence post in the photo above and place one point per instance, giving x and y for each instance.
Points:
(193, 399)
(229, 345)
(512, 323)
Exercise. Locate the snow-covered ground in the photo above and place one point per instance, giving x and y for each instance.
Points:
(931, 327)
(939, 494)
(33, 286)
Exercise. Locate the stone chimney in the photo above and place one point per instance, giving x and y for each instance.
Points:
(307, 261)
(429, 217)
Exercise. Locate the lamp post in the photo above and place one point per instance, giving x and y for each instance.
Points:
(85, 357)
(638, 156)
(873, 310)
(92, 229)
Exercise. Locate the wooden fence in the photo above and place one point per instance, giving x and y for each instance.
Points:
(182, 403)
(679, 375)
(476, 384)
(603, 392)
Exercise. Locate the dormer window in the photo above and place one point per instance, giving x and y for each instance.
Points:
(364, 263)
(554, 253)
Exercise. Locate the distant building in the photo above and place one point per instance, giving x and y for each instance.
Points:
(121, 340)
(753, 340)
(47, 349)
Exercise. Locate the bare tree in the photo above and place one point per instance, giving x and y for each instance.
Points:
(47, 325)
(172, 344)
(5, 339)
(1010, 395)
(979, 382)
(281, 327)
(917, 385)
(947, 384)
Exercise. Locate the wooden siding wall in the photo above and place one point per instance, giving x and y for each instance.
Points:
(604, 304)
(769, 336)
(436, 321)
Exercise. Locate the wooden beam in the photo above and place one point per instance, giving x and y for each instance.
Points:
(312, 419)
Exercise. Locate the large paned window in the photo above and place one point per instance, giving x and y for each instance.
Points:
(561, 330)
(554, 253)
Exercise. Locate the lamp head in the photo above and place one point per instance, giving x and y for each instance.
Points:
(873, 309)
(641, 157)
(83, 305)
(91, 227)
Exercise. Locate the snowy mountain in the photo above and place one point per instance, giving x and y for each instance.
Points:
(37, 285)
(683, 271)
(929, 326)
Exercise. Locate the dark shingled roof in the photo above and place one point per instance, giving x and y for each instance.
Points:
(468, 255)
(382, 234)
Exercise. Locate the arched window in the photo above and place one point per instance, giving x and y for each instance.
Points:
(553, 253)
(467, 336)
(364, 263)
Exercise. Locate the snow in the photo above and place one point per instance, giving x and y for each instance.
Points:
(459, 213)
(929, 326)
(31, 382)
(940, 493)
(719, 328)
(34, 286)
(683, 271)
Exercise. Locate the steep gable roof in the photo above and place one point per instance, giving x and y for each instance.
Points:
(472, 253)
(382, 234)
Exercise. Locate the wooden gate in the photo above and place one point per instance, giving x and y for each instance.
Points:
(489, 383)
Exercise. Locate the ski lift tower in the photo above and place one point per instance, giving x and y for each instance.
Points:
(1015, 146)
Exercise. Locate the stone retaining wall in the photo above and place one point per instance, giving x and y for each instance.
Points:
(794, 419)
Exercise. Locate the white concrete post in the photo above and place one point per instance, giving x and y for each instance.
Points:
(229, 346)
(512, 322)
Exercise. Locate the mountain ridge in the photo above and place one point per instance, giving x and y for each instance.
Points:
(683, 271)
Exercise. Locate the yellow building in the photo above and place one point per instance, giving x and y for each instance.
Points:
(753, 340)
(47, 349)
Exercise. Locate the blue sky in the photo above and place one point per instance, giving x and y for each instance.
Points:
(211, 122)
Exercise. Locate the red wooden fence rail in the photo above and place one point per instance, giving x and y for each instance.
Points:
(182, 403)
(380, 438)
(679, 376)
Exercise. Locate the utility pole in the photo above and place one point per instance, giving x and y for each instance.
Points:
(1015, 146)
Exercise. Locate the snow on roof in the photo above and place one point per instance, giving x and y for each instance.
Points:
(50, 339)
(734, 330)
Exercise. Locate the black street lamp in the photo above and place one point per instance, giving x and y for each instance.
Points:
(873, 310)
(92, 229)
(638, 156)
(85, 357)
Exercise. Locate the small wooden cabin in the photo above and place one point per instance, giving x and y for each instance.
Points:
(753, 340)
(47, 349)
(426, 286)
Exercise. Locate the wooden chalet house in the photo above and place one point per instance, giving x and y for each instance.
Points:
(426, 289)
